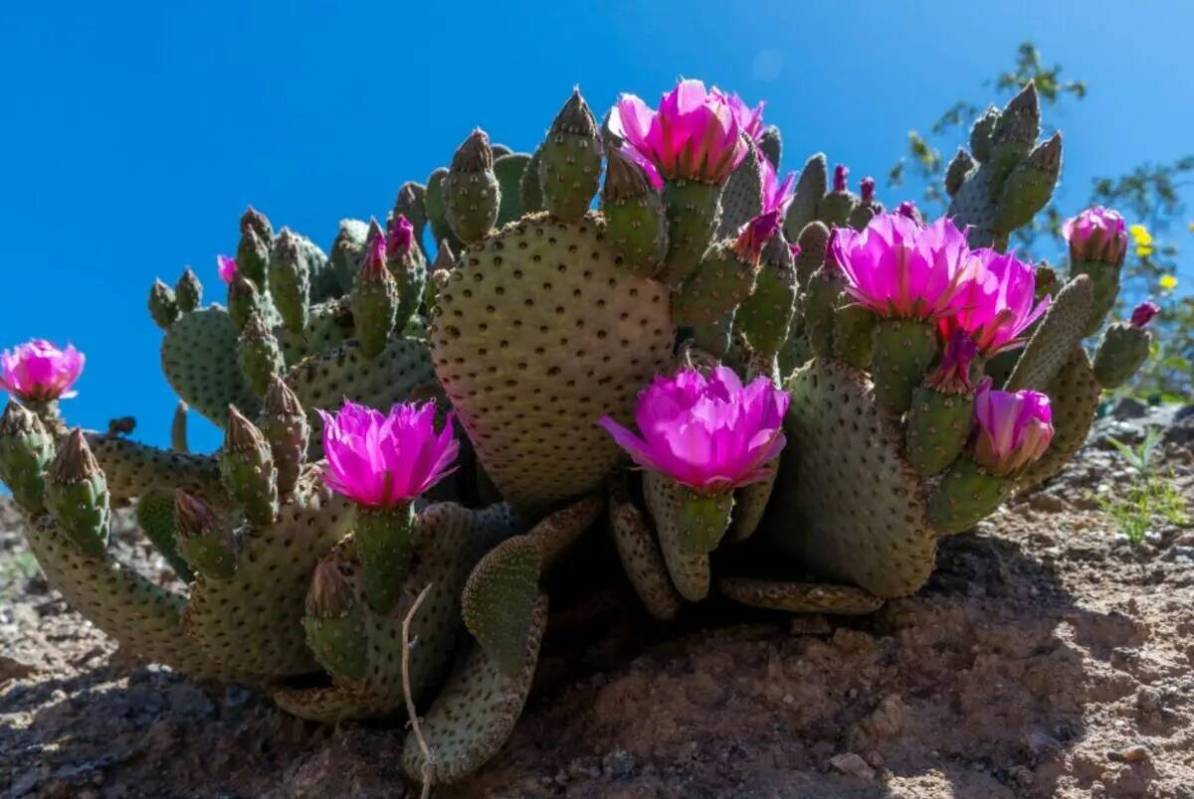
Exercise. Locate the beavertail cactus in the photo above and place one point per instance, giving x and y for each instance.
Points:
(782, 393)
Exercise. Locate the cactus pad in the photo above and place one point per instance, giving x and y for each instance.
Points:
(196, 362)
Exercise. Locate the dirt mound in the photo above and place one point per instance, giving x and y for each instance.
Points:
(1048, 657)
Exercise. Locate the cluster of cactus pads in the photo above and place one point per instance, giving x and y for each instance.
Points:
(537, 318)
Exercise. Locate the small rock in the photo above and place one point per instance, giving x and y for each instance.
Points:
(853, 765)
(1047, 503)
(618, 763)
(1135, 754)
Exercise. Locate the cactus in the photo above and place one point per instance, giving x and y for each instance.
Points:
(822, 428)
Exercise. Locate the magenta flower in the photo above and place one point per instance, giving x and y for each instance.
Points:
(226, 267)
(1014, 428)
(695, 134)
(1096, 234)
(1143, 313)
(952, 375)
(381, 460)
(899, 268)
(776, 196)
(750, 120)
(401, 237)
(37, 371)
(996, 302)
(709, 433)
(755, 234)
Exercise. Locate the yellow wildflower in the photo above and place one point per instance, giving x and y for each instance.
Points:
(1143, 240)
(1168, 282)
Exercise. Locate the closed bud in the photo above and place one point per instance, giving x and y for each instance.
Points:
(290, 281)
(247, 469)
(26, 451)
(77, 495)
(244, 301)
(204, 542)
(331, 595)
(284, 424)
(189, 291)
(259, 354)
(162, 305)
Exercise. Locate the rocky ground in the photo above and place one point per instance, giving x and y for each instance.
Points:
(1049, 657)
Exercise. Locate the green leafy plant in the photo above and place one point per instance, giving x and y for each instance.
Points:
(1150, 497)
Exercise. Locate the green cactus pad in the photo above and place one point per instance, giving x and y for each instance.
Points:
(155, 516)
(742, 197)
(324, 381)
(640, 554)
(133, 469)
(449, 540)
(765, 317)
(901, 352)
(330, 325)
(537, 336)
(810, 188)
(853, 333)
(199, 361)
(689, 526)
(718, 284)
(938, 425)
(750, 504)
(498, 599)
(347, 252)
(693, 215)
(1123, 350)
(846, 503)
(122, 603)
(249, 625)
(1052, 345)
(556, 533)
(838, 600)
(476, 711)
(509, 170)
(966, 494)
(1074, 394)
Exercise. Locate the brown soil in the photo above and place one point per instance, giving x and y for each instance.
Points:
(1047, 657)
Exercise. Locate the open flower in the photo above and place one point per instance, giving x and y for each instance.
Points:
(709, 433)
(381, 460)
(750, 120)
(695, 134)
(777, 196)
(1097, 234)
(901, 269)
(1014, 428)
(37, 371)
(996, 303)
(226, 267)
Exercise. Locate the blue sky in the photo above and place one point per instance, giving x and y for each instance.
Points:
(135, 133)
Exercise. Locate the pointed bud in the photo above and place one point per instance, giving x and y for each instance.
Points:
(284, 424)
(331, 595)
(207, 545)
(243, 301)
(374, 296)
(908, 209)
(409, 203)
(1046, 156)
(26, 451)
(77, 495)
(627, 178)
(252, 255)
(841, 177)
(374, 260)
(575, 117)
(867, 188)
(259, 354)
(1144, 313)
(959, 168)
(189, 291)
(254, 220)
(163, 307)
(754, 236)
(474, 154)
(226, 268)
(290, 281)
(247, 468)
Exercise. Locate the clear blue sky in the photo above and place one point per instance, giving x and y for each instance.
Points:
(135, 133)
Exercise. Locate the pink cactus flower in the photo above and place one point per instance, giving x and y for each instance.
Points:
(381, 460)
(952, 375)
(401, 237)
(1096, 234)
(653, 176)
(1013, 429)
(709, 433)
(1143, 313)
(226, 267)
(755, 234)
(695, 134)
(777, 196)
(37, 371)
(750, 120)
(997, 302)
(901, 269)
